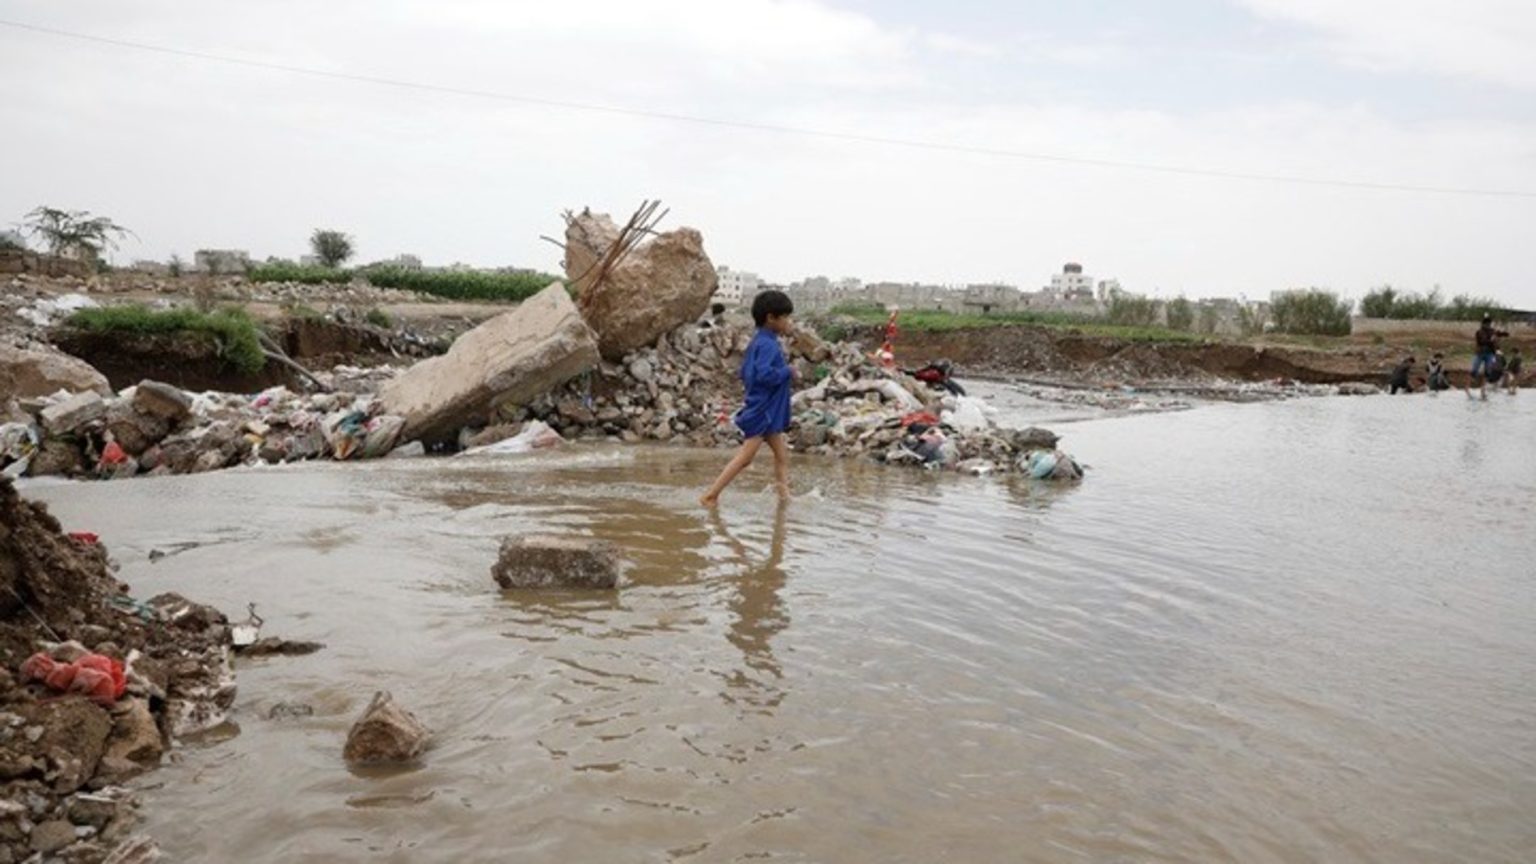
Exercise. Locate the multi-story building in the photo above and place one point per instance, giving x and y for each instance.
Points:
(734, 287)
(1072, 284)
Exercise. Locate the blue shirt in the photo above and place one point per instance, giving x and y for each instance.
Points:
(767, 379)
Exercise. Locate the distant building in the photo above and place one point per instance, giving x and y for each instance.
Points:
(404, 261)
(990, 298)
(1108, 289)
(1072, 284)
(734, 287)
(221, 261)
(152, 268)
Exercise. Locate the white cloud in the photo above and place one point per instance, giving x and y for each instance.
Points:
(1487, 40)
(193, 153)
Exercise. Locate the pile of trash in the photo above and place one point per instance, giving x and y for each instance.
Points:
(94, 685)
(155, 429)
(685, 389)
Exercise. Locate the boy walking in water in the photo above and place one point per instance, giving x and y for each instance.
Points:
(764, 415)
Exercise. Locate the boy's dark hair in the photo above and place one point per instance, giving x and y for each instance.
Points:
(771, 303)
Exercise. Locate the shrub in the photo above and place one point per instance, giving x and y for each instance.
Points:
(1378, 302)
(462, 284)
(1209, 320)
(290, 272)
(1181, 314)
(1129, 311)
(379, 318)
(231, 329)
(1310, 312)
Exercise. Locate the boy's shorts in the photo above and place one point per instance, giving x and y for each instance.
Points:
(1481, 363)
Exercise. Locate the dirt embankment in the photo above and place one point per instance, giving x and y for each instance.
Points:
(1061, 355)
(63, 755)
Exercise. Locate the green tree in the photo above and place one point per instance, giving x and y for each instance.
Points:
(331, 247)
(1181, 314)
(1132, 311)
(175, 266)
(1209, 319)
(1311, 312)
(1378, 302)
(74, 233)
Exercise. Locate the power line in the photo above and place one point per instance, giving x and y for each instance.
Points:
(772, 127)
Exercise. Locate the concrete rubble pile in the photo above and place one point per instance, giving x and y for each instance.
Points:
(155, 429)
(685, 388)
(95, 686)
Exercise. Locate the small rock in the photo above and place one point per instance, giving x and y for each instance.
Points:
(93, 810)
(72, 413)
(386, 733)
(51, 836)
(641, 370)
(543, 561)
(162, 400)
(271, 646)
(290, 710)
(135, 736)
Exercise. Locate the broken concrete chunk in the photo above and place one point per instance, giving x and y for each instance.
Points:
(162, 400)
(272, 646)
(662, 283)
(541, 561)
(40, 370)
(511, 358)
(52, 836)
(72, 413)
(386, 733)
(135, 736)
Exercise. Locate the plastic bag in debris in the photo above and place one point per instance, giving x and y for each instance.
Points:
(95, 676)
(969, 413)
(536, 435)
(45, 312)
(1052, 465)
(344, 432)
(380, 435)
(18, 441)
(891, 390)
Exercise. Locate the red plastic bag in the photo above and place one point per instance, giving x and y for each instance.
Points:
(924, 417)
(85, 537)
(113, 454)
(95, 676)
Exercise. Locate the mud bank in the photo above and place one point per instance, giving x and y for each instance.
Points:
(94, 687)
(1058, 355)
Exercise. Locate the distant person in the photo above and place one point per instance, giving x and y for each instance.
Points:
(1512, 369)
(1437, 377)
(1399, 379)
(1487, 354)
(764, 415)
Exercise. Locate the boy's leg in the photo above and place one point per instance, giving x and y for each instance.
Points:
(780, 447)
(744, 456)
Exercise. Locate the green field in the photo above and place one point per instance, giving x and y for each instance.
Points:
(930, 321)
(451, 284)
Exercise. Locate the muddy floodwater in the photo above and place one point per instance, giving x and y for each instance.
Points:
(1296, 631)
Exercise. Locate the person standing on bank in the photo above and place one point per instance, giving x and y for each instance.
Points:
(766, 377)
(1486, 356)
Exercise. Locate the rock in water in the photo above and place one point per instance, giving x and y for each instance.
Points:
(386, 733)
(662, 283)
(42, 370)
(511, 358)
(540, 561)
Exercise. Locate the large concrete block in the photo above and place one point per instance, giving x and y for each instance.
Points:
(511, 358)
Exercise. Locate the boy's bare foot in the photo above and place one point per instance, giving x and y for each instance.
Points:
(784, 493)
(709, 501)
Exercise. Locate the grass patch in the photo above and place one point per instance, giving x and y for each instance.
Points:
(379, 318)
(932, 321)
(451, 284)
(231, 329)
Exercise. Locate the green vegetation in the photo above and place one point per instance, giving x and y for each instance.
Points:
(1388, 302)
(1181, 314)
(331, 247)
(379, 318)
(74, 233)
(1209, 320)
(1310, 312)
(452, 284)
(231, 329)
(1129, 311)
(933, 321)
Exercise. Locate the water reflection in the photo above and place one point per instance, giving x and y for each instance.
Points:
(758, 614)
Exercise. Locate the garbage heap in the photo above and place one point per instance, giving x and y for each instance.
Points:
(154, 428)
(685, 388)
(94, 685)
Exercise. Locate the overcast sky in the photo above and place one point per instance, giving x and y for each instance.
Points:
(194, 153)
